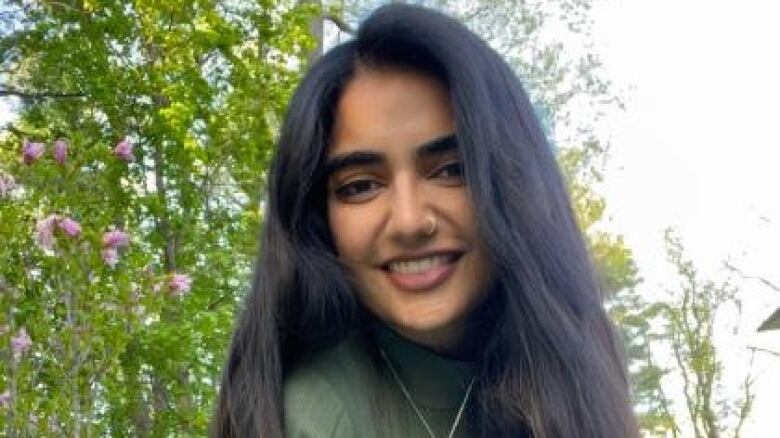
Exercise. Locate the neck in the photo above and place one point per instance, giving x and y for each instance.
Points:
(462, 341)
(443, 341)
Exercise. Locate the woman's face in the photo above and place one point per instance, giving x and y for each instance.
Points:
(394, 169)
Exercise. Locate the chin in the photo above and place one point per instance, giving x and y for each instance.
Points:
(435, 330)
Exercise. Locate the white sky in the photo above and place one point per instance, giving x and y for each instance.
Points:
(698, 149)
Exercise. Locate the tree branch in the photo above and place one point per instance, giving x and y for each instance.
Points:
(14, 130)
(340, 23)
(763, 280)
(163, 225)
(763, 350)
(65, 6)
(213, 305)
(39, 95)
(747, 402)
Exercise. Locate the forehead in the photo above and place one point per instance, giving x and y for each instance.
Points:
(388, 109)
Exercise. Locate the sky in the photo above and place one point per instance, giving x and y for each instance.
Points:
(697, 149)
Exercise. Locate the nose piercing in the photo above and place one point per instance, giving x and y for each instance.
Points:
(432, 228)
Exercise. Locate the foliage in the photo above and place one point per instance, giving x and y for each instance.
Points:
(121, 342)
(690, 319)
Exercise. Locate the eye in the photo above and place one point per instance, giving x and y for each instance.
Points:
(357, 190)
(450, 171)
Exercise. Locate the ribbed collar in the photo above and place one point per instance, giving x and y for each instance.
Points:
(434, 381)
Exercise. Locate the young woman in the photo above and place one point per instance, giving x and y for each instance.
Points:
(421, 273)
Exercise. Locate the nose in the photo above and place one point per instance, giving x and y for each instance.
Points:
(410, 212)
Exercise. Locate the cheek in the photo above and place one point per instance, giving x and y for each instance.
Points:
(458, 207)
(461, 209)
(349, 233)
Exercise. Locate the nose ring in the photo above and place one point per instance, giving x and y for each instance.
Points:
(432, 227)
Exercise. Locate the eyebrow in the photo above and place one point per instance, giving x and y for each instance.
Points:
(438, 146)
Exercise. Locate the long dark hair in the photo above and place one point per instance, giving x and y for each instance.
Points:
(552, 366)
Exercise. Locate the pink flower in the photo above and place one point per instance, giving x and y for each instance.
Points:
(7, 184)
(112, 241)
(60, 151)
(116, 239)
(32, 151)
(44, 231)
(69, 226)
(124, 150)
(110, 256)
(20, 343)
(5, 399)
(180, 284)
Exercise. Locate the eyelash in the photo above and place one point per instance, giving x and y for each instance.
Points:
(454, 165)
(351, 190)
(343, 191)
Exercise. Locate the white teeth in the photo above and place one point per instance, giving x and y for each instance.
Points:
(417, 266)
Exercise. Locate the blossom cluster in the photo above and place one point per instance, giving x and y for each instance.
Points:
(32, 151)
(20, 343)
(48, 227)
(112, 241)
(44, 230)
(52, 227)
(179, 284)
(60, 151)
(7, 184)
(124, 150)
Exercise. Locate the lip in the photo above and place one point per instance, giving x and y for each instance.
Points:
(426, 280)
(456, 254)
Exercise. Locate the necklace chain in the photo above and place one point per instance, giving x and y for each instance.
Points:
(417, 411)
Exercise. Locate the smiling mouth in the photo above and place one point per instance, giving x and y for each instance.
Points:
(421, 265)
(423, 273)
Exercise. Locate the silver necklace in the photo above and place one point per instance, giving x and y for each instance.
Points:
(417, 411)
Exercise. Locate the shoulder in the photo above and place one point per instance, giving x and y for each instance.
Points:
(324, 392)
(313, 408)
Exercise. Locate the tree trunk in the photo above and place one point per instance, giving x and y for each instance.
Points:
(316, 27)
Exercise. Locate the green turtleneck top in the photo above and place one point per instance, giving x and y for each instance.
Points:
(348, 391)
